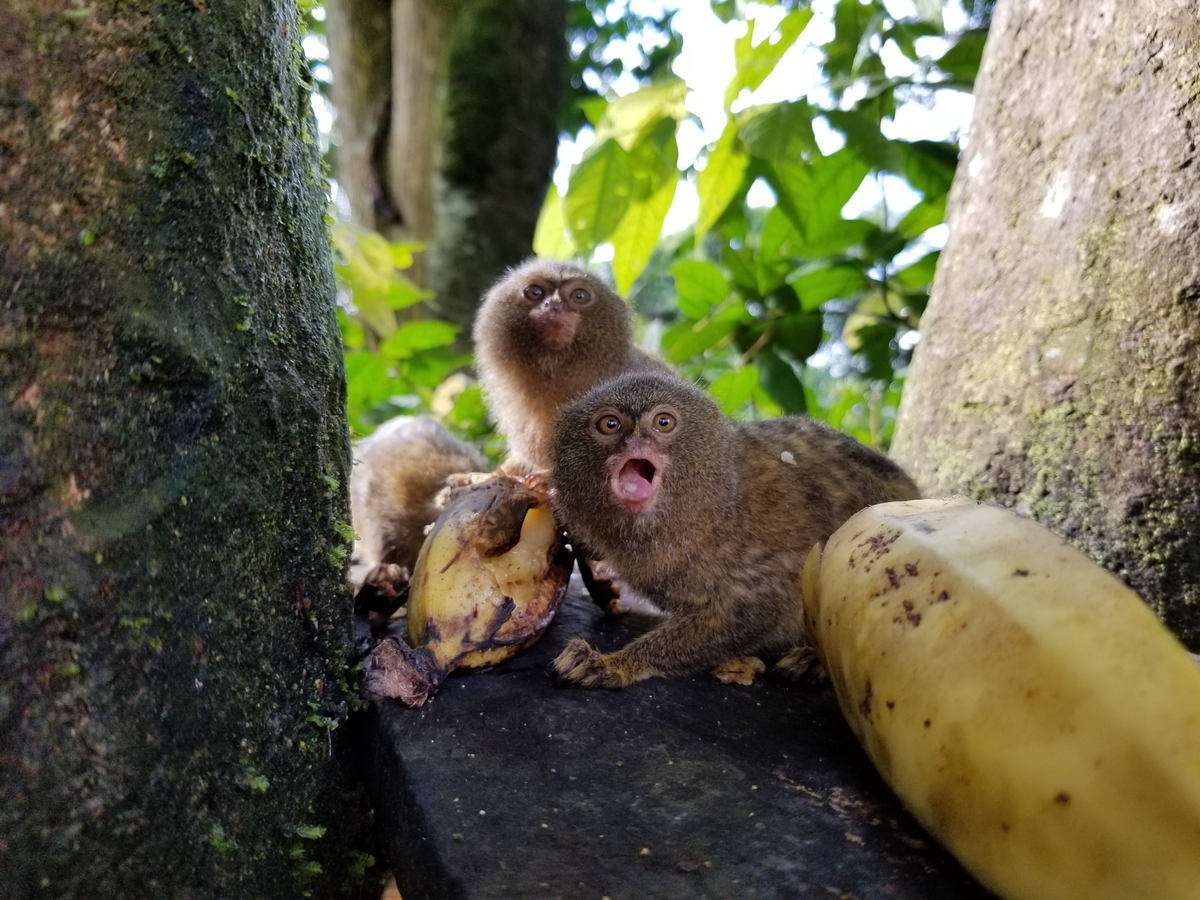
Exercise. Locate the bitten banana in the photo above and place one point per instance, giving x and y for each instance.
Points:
(489, 578)
(1025, 705)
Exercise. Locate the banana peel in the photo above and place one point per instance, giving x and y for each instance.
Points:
(489, 578)
(1025, 705)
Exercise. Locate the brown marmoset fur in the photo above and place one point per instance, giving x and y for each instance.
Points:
(397, 474)
(545, 333)
(711, 519)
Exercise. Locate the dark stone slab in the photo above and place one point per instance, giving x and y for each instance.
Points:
(507, 786)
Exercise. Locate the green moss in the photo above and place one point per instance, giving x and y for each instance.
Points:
(218, 839)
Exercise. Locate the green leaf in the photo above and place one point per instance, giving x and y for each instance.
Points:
(656, 178)
(655, 160)
(733, 389)
(367, 266)
(844, 407)
(794, 191)
(882, 245)
(469, 414)
(371, 248)
(782, 300)
(850, 21)
(781, 381)
(799, 334)
(429, 368)
(402, 293)
(401, 253)
(929, 165)
(699, 286)
(688, 339)
(550, 238)
(922, 217)
(600, 192)
(739, 265)
(837, 236)
(353, 336)
(962, 60)
(779, 243)
(721, 179)
(310, 832)
(779, 132)
(822, 283)
(593, 109)
(725, 10)
(778, 238)
(864, 138)
(769, 277)
(871, 340)
(835, 179)
(756, 61)
(812, 196)
(367, 379)
(764, 404)
(424, 334)
(629, 119)
(633, 241)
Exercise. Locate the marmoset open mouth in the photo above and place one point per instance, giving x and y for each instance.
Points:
(635, 480)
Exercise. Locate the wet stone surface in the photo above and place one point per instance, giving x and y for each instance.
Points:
(506, 786)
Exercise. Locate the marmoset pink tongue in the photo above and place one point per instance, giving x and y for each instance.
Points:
(635, 481)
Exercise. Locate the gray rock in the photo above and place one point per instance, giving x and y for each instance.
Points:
(507, 786)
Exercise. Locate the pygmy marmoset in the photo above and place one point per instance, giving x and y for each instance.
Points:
(545, 333)
(711, 519)
(397, 474)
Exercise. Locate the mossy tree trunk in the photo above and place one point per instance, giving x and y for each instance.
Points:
(472, 131)
(359, 34)
(505, 78)
(1058, 372)
(175, 629)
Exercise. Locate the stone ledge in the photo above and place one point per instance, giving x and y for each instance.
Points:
(506, 786)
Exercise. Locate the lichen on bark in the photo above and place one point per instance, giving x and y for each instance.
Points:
(1057, 371)
(175, 643)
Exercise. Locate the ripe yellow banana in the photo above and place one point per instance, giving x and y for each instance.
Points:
(1026, 706)
(490, 576)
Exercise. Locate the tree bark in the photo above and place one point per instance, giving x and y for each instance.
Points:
(359, 34)
(472, 134)
(1058, 370)
(419, 32)
(497, 140)
(175, 635)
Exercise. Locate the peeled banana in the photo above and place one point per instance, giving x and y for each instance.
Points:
(1026, 706)
(489, 578)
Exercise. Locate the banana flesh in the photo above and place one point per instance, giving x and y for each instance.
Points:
(1027, 707)
(490, 576)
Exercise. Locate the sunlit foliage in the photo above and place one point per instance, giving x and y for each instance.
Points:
(781, 295)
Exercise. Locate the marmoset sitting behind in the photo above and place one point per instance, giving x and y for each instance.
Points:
(397, 474)
(709, 518)
(545, 333)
